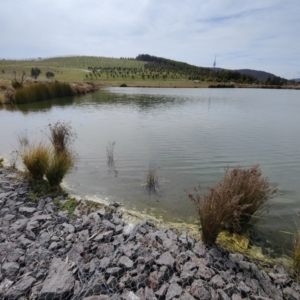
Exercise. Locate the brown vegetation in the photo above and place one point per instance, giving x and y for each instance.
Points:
(233, 203)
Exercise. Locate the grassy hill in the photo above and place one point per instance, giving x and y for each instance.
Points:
(144, 70)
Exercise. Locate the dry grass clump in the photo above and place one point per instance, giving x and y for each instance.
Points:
(35, 158)
(52, 161)
(59, 165)
(233, 203)
(42, 91)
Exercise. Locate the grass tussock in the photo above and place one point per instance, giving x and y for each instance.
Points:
(35, 157)
(42, 91)
(62, 136)
(59, 165)
(234, 203)
(51, 161)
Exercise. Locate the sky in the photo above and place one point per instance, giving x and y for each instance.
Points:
(253, 34)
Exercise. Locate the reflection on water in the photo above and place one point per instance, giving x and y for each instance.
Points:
(191, 135)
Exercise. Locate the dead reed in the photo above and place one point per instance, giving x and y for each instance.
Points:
(62, 136)
(151, 180)
(110, 154)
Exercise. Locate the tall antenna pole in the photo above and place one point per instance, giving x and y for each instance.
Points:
(215, 62)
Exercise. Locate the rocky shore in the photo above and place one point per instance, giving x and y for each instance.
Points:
(46, 255)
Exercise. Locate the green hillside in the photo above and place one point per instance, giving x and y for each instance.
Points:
(144, 70)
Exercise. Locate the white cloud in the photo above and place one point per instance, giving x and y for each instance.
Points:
(243, 34)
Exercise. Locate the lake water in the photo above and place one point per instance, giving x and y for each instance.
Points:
(190, 135)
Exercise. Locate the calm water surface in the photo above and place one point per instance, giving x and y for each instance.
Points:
(190, 135)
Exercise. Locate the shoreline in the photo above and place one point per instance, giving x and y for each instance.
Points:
(102, 254)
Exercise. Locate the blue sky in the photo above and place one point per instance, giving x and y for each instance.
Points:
(253, 34)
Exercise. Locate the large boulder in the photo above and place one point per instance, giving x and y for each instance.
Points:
(59, 283)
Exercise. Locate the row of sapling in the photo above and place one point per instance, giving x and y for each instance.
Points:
(51, 161)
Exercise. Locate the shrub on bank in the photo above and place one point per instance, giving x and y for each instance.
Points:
(42, 91)
(233, 204)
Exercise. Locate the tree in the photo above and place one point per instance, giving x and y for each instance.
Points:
(49, 75)
(35, 72)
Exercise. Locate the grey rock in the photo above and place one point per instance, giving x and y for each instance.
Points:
(108, 225)
(162, 291)
(280, 279)
(104, 263)
(217, 282)
(187, 277)
(41, 204)
(112, 283)
(236, 257)
(75, 253)
(59, 283)
(291, 294)
(222, 295)
(125, 262)
(236, 297)
(20, 288)
(5, 285)
(9, 217)
(10, 252)
(149, 294)
(186, 296)
(5, 195)
(243, 288)
(204, 273)
(20, 224)
(115, 271)
(10, 269)
(166, 259)
(199, 291)
(70, 228)
(174, 290)
(52, 246)
(26, 210)
(24, 242)
(104, 236)
(199, 249)
(104, 250)
(270, 290)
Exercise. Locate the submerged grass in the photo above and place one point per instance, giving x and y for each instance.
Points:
(151, 180)
(42, 91)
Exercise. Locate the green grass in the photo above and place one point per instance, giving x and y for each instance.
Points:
(69, 205)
